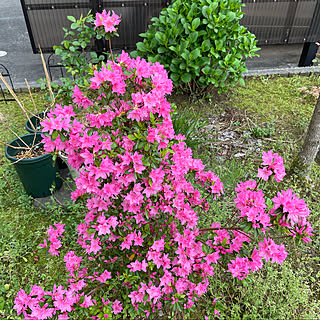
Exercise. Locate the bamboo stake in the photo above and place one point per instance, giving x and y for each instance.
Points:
(16, 135)
(47, 76)
(35, 107)
(17, 100)
(9, 145)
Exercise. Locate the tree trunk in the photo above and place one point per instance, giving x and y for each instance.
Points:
(303, 163)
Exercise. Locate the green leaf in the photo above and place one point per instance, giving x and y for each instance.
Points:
(174, 77)
(141, 47)
(195, 23)
(54, 135)
(195, 54)
(152, 117)
(159, 36)
(131, 137)
(193, 36)
(182, 66)
(205, 11)
(186, 55)
(71, 18)
(147, 147)
(206, 44)
(186, 77)
(206, 70)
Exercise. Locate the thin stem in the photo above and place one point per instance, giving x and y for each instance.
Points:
(212, 229)
(260, 179)
(47, 77)
(35, 107)
(97, 288)
(111, 50)
(9, 145)
(16, 135)
(282, 237)
(245, 234)
(236, 222)
(23, 157)
(17, 100)
(230, 219)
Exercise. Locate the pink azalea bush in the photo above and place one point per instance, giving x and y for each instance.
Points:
(140, 246)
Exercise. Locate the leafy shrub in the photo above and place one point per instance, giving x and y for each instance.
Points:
(77, 55)
(200, 43)
(140, 249)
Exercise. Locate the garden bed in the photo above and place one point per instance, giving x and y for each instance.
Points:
(269, 113)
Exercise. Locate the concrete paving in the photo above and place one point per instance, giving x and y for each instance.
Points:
(14, 39)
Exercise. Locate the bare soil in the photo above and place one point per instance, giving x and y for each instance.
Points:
(33, 152)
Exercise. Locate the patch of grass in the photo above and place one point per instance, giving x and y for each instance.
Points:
(269, 113)
(22, 226)
(279, 101)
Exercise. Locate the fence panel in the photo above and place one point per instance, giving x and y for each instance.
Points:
(46, 18)
(279, 22)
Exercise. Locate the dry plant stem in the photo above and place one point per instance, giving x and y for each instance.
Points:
(259, 181)
(35, 107)
(97, 288)
(24, 156)
(9, 145)
(34, 138)
(231, 218)
(16, 135)
(47, 76)
(17, 100)
(222, 228)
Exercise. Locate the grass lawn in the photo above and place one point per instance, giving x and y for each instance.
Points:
(269, 113)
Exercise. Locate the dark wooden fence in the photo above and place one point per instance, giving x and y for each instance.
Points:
(282, 21)
(272, 21)
(46, 18)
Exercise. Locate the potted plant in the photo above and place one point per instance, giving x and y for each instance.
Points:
(33, 125)
(34, 166)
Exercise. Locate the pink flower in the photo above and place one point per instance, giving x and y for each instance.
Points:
(117, 307)
(154, 293)
(104, 276)
(107, 20)
(87, 302)
(269, 250)
(274, 165)
(43, 245)
(95, 245)
(294, 208)
(239, 268)
(264, 173)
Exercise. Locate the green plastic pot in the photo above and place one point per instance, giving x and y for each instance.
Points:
(35, 120)
(36, 174)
